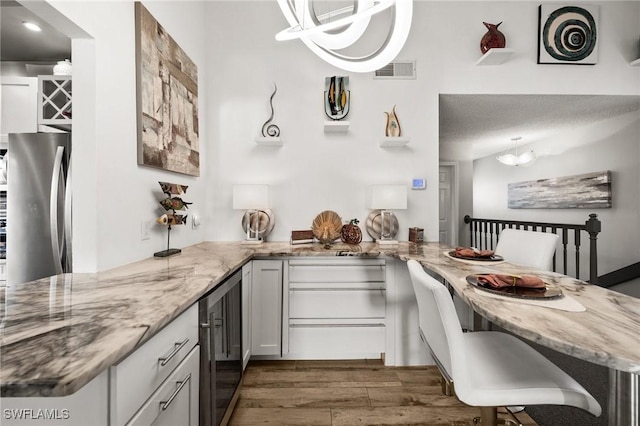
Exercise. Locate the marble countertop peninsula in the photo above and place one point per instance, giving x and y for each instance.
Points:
(58, 333)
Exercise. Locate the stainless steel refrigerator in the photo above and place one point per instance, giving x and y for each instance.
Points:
(38, 206)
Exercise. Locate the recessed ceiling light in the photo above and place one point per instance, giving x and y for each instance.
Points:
(32, 26)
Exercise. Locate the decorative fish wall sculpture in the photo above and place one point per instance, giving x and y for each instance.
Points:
(173, 188)
(174, 203)
(172, 219)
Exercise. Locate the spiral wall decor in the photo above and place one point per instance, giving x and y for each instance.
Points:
(568, 34)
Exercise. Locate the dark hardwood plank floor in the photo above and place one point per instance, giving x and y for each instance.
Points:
(352, 392)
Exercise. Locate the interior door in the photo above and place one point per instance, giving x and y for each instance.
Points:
(445, 203)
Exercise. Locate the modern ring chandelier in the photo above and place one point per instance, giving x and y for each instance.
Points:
(325, 38)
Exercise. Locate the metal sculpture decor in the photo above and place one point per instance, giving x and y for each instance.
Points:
(271, 130)
(171, 204)
(568, 34)
(336, 97)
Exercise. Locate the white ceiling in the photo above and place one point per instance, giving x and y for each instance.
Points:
(481, 125)
(20, 44)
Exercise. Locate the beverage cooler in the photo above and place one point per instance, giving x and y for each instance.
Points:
(220, 350)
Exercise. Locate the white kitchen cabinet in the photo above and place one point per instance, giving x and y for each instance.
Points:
(246, 313)
(404, 345)
(266, 307)
(336, 308)
(138, 376)
(121, 392)
(55, 101)
(88, 406)
(19, 105)
(176, 400)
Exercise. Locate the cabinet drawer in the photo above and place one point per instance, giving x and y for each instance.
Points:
(342, 271)
(336, 303)
(336, 341)
(139, 375)
(176, 400)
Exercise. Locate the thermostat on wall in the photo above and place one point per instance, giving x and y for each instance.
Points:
(418, 183)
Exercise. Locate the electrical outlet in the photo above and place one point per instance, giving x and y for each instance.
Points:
(145, 230)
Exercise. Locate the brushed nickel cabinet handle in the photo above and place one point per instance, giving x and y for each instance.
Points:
(178, 345)
(167, 403)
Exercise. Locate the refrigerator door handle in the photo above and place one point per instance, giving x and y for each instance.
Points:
(67, 221)
(53, 210)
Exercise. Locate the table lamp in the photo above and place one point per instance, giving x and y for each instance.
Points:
(387, 198)
(254, 199)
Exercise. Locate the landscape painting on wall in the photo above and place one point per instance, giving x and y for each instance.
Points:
(167, 99)
(587, 191)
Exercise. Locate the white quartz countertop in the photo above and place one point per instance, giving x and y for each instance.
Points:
(58, 333)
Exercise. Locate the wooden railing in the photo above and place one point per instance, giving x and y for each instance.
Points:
(484, 235)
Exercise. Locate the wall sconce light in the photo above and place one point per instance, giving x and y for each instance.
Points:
(257, 220)
(326, 33)
(517, 159)
(387, 198)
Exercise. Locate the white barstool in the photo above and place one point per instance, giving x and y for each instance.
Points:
(489, 369)
(527, 248)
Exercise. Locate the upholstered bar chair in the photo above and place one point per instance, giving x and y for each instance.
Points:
(489, 369)
(527, 248)
(532, 249)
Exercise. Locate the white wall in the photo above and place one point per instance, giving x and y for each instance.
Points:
(238, 60)
(315, 171)
(112, 194)
(611, 145)
(312, 171)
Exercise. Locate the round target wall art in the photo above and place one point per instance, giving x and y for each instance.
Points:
(568, 34)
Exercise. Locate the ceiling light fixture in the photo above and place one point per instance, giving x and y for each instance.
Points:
(517, 159)
(32, 26)
(324, 38)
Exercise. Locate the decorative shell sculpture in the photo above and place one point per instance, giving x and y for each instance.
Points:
(327, 227)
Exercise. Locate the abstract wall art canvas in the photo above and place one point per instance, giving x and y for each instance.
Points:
(568, 34)
(167, 99)
(587, 191)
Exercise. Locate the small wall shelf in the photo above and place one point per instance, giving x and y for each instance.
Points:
(336, 126)
(268, 141)
(636, 63)
(495, 56)
(394, 142)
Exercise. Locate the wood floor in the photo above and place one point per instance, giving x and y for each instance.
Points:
(358, 392)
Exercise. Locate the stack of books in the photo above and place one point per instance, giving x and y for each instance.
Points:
(302, 237)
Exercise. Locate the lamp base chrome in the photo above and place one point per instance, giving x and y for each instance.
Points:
(252, 242)
(387, 242)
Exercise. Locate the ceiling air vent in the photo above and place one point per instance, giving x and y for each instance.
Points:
(398, 70)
